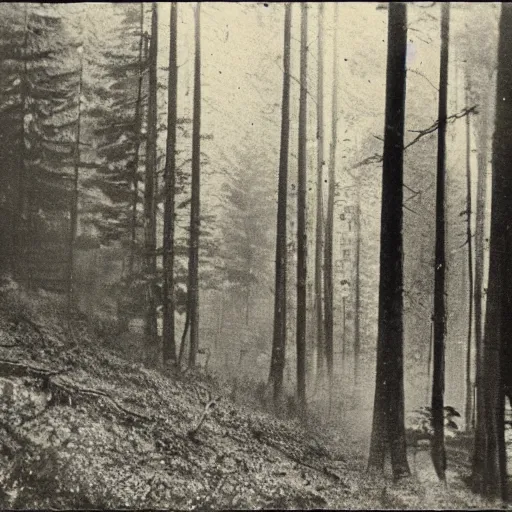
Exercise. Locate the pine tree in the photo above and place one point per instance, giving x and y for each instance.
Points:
(301, 220)
(280, 299)
(169, 342)
(195, 219)
(388, 429)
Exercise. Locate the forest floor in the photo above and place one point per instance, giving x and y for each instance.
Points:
(80, 427)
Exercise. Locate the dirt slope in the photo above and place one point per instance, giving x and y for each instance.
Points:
(82, 428)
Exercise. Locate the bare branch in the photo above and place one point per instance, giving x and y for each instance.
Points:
(419, 73)
(376, 158)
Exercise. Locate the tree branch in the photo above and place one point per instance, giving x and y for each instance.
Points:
(376, 158)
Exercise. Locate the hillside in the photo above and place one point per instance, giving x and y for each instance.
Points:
(82, 428)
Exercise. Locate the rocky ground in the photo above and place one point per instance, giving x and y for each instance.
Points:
(80, 427)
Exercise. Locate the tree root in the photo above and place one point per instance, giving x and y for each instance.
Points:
(58, 386)
(322, 470)
(68, 388)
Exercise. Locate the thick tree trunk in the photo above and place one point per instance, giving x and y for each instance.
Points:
(329, 224)
(320, 342)
(151, 328)
(489, 463)
(469, 390)
(138, 127)
(193, 278)
(168, 334)
(388, 430)
(437, 446)
(301, 219)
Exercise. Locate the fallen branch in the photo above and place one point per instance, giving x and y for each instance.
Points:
(9, 368)
(208, 408)
(322, 470)
(54, 382)
(69, 387)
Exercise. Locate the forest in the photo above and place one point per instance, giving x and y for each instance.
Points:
(255, 255)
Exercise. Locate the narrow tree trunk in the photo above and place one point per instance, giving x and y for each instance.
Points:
(193, 288)
(437, 446)
(388, 430)
(469, 390)
(169, 341)
(329, 224)
(74, 198)
(301, 218)
(320, 342)
(357, 293)
(138, 127)
(279, 336)
(151, 328)
(489, 463)
(479, 252)
(220, 321)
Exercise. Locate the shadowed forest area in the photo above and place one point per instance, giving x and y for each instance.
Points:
(255, 255)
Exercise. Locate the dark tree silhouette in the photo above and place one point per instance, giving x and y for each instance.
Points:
(193, 269)
(168, 333)
(279, 336)
(489, 462)
(329, 223)
(320, 342)
(437, 446)
(388, 430)
(150, 186)
(301, 217)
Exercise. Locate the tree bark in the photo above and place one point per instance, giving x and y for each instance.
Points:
(138, 127)
(279, 335)
(357, 293)
(388, 430)
(489, 463)
(321, 349)
(301, 219)
(193, 285)
(438, 452)
(479, 251)
(469, 205)
(329, 224)
(169, 341)
(151, 329)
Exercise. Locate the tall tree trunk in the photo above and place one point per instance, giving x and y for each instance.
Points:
(357, 293)
(279, 336)
(169, 341)
(438, 377)
(479, 250)
(469, 236)
(489, 463)
(301, 218)
(320, 342)
(193, 277)
(388, 430)
(138, 127)
(151, 328)
(74, 197)
(329, 224)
